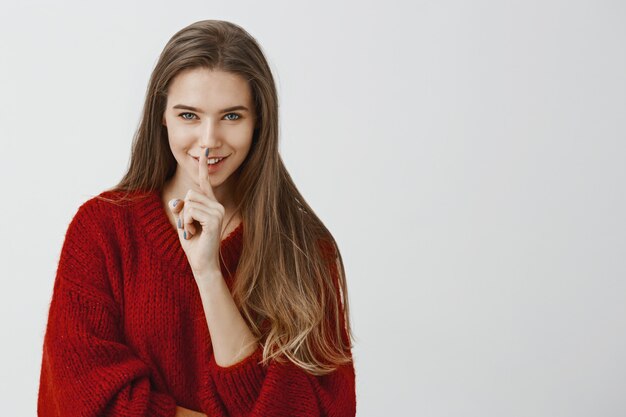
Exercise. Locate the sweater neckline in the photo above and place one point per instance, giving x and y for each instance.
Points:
(161, 235)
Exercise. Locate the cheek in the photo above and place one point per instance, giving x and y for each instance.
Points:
(243, 137)
(179, 138)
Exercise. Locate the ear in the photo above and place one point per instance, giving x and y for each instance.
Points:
(163, 121)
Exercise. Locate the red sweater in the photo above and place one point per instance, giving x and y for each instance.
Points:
(127, 335)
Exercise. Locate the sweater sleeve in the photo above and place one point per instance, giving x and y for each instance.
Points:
(249, 389)
(86, 369)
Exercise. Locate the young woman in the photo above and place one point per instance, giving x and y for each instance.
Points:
(202, 283)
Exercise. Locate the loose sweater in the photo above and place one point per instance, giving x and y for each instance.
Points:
(127, 336)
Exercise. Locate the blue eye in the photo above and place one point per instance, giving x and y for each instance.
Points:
(182, 115)
(184, 118)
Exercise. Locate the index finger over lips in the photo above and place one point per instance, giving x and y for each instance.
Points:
(204, 179)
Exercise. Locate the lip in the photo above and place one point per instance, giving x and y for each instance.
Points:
(197, 158)
(213, 169)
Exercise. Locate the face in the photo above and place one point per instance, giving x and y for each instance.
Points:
(208, 109)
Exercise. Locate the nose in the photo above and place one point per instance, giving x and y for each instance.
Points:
(209, 137)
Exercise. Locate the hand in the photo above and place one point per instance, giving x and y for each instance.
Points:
(185, 412)
(201, 246)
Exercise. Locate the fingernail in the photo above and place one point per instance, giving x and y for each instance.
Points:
(206, 153)
(179, 224)
(175, 203)
(185, 234)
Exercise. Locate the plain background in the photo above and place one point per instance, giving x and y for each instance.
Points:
(468, 156)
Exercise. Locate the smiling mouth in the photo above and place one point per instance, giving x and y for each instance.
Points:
(221, 158)
(213, 162)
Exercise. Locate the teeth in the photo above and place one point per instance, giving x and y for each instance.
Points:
(214, 160)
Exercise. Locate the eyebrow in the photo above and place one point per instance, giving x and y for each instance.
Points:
(185, 107)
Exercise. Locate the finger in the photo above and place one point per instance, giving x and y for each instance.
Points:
(204, 179)
(196, 212)
(186, 217)
(209, 218)
(195, 198)
(176, 205)
(199, 197)
(213, 210)
(193, 212)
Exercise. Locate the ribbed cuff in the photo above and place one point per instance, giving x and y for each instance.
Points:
(239, 384)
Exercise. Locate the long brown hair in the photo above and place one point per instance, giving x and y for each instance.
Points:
(290, 286)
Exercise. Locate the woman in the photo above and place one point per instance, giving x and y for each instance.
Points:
(202, 283)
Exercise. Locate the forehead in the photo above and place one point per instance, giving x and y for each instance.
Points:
(208, 89)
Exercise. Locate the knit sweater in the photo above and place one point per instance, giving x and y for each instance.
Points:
(127, 336)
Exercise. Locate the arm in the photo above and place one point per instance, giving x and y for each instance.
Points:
(239, 386)
(231, 338)
(87, 370)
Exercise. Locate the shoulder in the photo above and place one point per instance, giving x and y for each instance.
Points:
(100, 215)
(327, 247)
(113, 199)
(94, 245)
(110, 202)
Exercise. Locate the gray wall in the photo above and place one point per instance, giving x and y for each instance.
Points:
(467, 156)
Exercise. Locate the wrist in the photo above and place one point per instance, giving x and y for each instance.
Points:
(208, 278)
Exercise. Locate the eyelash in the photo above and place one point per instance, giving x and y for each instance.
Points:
(232, 120)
